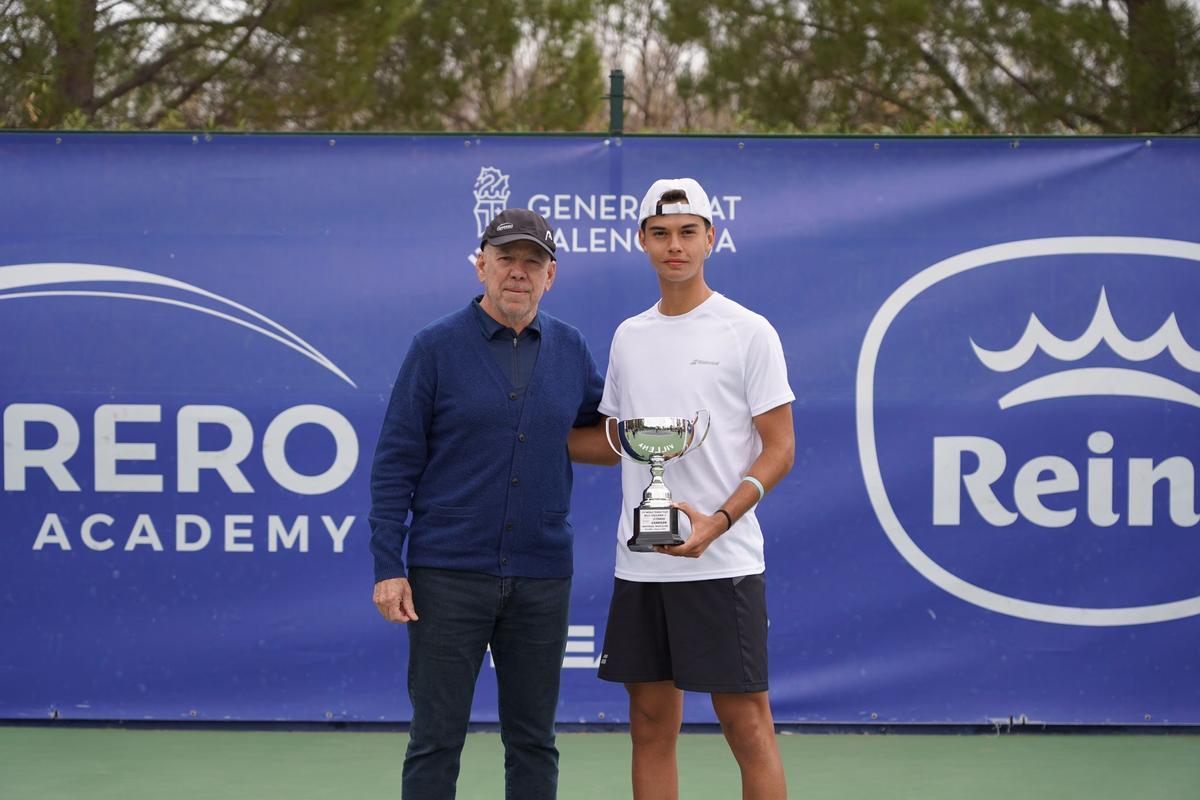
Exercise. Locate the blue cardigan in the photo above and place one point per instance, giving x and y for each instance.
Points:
(488, 489)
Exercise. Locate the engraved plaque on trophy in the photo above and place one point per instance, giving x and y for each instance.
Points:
(656, 441)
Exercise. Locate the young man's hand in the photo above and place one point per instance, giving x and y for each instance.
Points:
(705, 530)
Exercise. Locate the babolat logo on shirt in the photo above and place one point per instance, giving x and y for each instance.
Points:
(1027, 420)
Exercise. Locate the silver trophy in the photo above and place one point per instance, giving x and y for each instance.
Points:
(655, 441)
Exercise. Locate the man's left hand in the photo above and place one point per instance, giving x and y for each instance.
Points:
(705, 529)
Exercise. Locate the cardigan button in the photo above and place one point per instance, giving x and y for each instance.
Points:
(508, 526)
(512, 395)
(520, 437)
(516, 481)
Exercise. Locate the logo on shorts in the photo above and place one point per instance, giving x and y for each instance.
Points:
(1025, 452)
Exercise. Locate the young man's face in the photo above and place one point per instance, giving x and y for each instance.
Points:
(676, 245)
(514, 278)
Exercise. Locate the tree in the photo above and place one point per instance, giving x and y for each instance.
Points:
(982, 66)
(657, 69)
(78, 62)
(298, 65)
(1033, 66)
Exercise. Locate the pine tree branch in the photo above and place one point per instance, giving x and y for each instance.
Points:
(203, 78)
(1025, 86)
(1194, 122)
(965, 101)
(259, 69)
(147, 73)
(172, 20)
(879, 94)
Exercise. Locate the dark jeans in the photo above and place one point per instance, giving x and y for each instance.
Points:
(461, 613)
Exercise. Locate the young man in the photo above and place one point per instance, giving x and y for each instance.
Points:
(474, 447)
(693, 617)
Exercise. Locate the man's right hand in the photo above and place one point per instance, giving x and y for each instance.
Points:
(394, 600)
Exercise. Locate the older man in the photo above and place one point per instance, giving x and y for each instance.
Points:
(474, 448)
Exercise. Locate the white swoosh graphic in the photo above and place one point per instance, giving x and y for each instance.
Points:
(23, 276)
(1100, 381)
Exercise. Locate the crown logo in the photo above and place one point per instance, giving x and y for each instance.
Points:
(1095, 381)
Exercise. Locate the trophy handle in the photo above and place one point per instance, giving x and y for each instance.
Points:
(707, 425)
(613, 447)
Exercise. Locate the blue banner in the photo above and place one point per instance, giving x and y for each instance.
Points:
(995, 347)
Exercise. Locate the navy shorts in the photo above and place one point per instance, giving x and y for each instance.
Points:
(706, 636)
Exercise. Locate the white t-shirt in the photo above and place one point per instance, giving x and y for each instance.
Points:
(721, 357)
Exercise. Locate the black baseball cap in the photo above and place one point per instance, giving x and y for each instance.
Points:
(513, 224)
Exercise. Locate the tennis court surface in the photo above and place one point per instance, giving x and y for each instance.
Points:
(98, 764)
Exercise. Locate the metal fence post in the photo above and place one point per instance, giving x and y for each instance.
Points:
(616, 102)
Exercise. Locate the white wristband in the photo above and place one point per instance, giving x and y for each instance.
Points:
(757, 485)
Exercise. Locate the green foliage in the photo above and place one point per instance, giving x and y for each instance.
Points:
(1033, 66)
(299, 65)
(779, 66)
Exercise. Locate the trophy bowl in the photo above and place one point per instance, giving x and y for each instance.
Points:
(656, 441)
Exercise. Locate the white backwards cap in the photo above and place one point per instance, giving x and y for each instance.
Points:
(696, 203)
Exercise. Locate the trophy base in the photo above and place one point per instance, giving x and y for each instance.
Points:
(653, 527)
